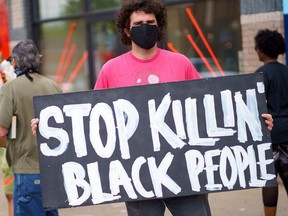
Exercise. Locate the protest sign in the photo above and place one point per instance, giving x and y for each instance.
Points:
(154, 141)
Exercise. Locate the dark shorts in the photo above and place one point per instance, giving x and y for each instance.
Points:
(280, 155)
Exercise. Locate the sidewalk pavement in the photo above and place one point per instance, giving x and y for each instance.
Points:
(233, 203)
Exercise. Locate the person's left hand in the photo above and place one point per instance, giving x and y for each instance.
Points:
(268, 121)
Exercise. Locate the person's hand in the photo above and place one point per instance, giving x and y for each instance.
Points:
(268, 121)
(34, 125)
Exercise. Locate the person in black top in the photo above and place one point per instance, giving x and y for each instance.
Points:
(268, 46)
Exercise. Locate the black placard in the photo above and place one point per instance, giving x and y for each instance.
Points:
(154, 141)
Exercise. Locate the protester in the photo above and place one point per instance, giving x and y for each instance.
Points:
(269, 45)
(141, 25)
(16, 99)
(7, 74)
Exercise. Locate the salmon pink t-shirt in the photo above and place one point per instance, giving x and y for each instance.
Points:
(127, 70)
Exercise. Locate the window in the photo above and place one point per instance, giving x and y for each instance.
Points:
(214, 34)
(104, 4)
(212, 42)
(63, 47)
(54, 9)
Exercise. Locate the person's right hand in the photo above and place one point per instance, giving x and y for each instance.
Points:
(34, 125)
(268, 120)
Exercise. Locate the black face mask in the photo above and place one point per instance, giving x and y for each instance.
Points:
(145, 36)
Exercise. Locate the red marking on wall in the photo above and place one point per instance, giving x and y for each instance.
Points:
(4, 32)
(58, 73)
(194, 22)
(171, 47)
(75, 72)
(201, 55)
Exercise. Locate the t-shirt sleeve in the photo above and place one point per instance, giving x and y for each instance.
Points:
(58, 89)
(102, 81)
(55, 88)
(6, 108)
(191, 72)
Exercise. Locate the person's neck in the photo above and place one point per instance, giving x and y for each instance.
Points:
(144, 54)
(269, 60)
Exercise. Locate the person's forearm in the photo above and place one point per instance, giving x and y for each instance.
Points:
(3, 142)
(3, 131)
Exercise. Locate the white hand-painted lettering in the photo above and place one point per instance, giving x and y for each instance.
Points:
(236, 159)
(210, 116)
(178, 118)
(137, 180)
(254, 182)
(263, 162)
(118, 177)
(96, 187)
(227, 107)
(125, 108)
(261, 87)
(253, 106)
(102, 110)
(48, 132)
(74, 174)
(242, 161)
(77, 112)
(195, 166)
(244, 115)
(213, 166)
(192, 125)
(210, 169)
(158, 124)
(160, 177)
(227, 155)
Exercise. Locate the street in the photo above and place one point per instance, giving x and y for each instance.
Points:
(236, 203)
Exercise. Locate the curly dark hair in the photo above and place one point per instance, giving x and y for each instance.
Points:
(269, 42)
(155, 7)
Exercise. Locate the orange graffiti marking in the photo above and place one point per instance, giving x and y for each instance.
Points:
(67, 62)
(194, 22)
(76, 71)
(64, 51)
(171, 47)
(201, 55)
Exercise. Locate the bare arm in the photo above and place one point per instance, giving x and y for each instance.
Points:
(3, 142)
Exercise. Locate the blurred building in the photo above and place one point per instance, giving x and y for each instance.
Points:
(76, 37)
